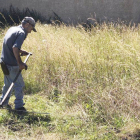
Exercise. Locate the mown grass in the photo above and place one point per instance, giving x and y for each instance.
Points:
(87, 81)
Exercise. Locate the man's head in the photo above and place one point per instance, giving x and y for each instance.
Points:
(28, 24)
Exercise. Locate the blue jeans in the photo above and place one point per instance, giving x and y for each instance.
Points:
(18, 87)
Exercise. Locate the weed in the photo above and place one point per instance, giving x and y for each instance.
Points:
(87, 81)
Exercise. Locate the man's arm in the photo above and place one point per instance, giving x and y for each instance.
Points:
(16, 52)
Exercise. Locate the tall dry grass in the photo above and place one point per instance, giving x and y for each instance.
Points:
(95, 73)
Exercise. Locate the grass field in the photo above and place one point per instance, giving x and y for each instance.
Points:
(88, 82)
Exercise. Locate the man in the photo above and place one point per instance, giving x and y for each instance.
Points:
(11, 56)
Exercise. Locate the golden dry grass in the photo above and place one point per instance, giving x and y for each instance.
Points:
(87, 81)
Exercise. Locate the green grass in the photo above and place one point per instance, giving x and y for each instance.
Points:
(87, 81)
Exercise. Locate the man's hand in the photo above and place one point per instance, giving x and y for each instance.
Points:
(22, 66)
(23, 53)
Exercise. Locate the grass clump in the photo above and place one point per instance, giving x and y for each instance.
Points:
(87, 81)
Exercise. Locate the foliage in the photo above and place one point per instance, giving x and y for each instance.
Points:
(14, 16)
(87, 81)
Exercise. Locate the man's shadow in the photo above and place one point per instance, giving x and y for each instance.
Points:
(20, 120)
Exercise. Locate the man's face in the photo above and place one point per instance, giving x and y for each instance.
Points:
(29, 28)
